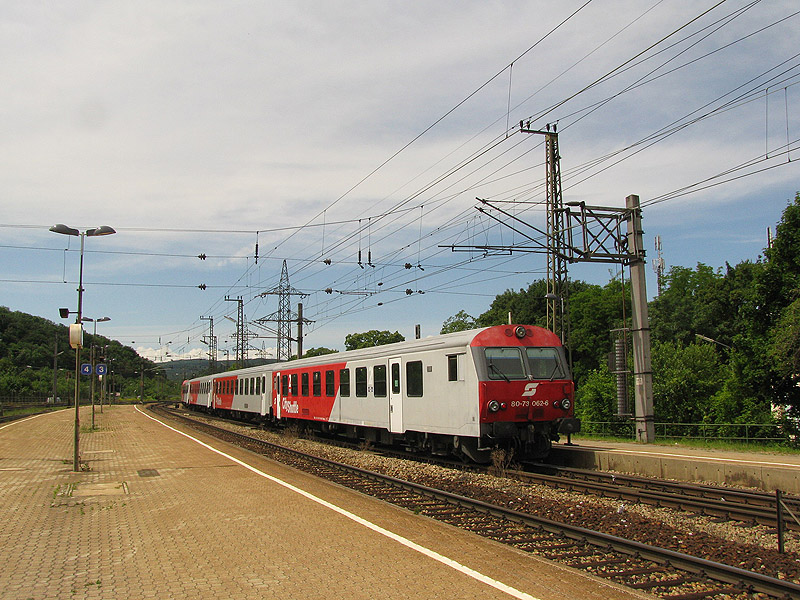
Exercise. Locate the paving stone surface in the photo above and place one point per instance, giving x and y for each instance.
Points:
(158, 515)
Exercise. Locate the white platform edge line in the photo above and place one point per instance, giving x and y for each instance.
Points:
(361, 521)
(50, 412)
(696, 457)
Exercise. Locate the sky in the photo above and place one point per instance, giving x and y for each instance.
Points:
(352, 140)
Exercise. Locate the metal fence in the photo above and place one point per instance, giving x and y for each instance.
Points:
(755, 433)
(9, 403)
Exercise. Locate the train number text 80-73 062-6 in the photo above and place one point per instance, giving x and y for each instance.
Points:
(527, 403)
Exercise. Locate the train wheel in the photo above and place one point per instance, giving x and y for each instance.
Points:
(539, 447)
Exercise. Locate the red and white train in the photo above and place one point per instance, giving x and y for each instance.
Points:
(461, 393)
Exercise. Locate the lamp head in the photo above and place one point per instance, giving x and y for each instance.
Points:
(61, 228)
(102, 230)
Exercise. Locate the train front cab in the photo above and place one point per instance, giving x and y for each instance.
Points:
(526, 394)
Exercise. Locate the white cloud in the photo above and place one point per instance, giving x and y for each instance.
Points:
(256, 116)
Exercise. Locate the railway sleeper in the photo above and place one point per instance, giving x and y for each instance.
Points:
(704, 594)
(668, 583)
(579, 554)
(530, 540)
(559, 547)
(604, 563)
(629, 572)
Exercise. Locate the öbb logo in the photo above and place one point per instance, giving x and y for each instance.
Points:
(530, 390)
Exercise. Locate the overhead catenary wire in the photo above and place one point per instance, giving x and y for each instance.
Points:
(385, 229)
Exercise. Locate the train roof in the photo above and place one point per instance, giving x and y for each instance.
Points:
(495, 335)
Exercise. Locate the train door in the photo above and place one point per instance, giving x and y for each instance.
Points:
(276, 388)
(395, 397)
(264, 395)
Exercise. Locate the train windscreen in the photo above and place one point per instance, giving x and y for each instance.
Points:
(505, 363)
(536, 363)
(546, 363)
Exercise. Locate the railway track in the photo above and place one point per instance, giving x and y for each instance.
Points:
(748, 506)
(662, 572)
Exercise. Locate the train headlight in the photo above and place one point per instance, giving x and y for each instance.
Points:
(520, 332)
(493, 406)
(565, 404)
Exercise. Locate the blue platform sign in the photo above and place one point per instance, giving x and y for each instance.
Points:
(86, 369)
(101, 369)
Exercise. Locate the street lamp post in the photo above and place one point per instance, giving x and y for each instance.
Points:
(94, 375)
(65, 230)
(104, 381)
(708, 339)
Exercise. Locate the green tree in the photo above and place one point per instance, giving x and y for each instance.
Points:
(779, 281)
(354, 341)
(596, 397)
(461, 321)
(27, 345)
(692, 302)
(528, 307)
(317, 352)
(684, 380)
(785, 342)
(594, 311)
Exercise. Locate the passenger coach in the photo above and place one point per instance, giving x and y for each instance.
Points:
(462, 393)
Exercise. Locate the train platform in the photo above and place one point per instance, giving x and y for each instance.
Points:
(762, 470)
(167, 513)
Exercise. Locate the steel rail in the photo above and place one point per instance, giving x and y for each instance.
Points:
(740, 505)
(717, 571)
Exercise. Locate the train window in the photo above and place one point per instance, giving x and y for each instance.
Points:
(285, 384)
(361, 382)
(452, 367)
(344, 383)
(258, 385)
(414, 378)
(330, 384)
(379, 379)
(545, 363)
(317, 383)
(264, 383)
(396, 378)
(304, 379)
(505, 363)
(295, 389)
(277, 385)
